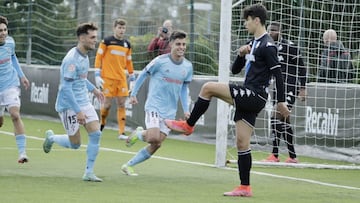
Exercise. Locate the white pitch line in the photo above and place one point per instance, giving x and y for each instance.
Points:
(211, 165)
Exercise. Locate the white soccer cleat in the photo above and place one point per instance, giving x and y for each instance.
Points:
(123, 137)
(128, 170)
(91, 177)
(23, 158)
(47, 143)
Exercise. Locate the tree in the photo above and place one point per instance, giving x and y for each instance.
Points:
(43, 30)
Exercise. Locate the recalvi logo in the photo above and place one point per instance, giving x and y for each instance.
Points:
(324, 123)
(39, 94)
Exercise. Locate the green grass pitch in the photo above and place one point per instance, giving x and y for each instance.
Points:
(180, 172)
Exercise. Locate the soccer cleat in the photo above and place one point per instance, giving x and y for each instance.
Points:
(128, 170)
(179, 126)
(271, 158)
(23, 158)
(47, 143)
(133, 138)
(91, 177)
(123, 137)
(291, 160)
(242, 190)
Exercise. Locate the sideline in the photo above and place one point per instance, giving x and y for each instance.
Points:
(209, 165)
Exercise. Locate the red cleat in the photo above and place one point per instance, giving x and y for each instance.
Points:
(242, 190)
(292, 160)
(179, 126)
(272, 158)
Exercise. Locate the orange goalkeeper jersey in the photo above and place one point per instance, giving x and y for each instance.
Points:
(114, 57)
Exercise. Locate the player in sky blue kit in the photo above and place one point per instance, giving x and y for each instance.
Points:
(73, 103)
(169, 75)
(10, 72)
(260, 60)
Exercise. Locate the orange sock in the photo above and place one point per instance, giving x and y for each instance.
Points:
(104, 114)
(121, 117)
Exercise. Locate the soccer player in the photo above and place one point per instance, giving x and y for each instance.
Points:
(10, 72)
(169, 75)
(73, 104)
(293, 72)
(113, 57)
(260, 60)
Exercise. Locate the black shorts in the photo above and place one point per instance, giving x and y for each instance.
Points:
(248, 103)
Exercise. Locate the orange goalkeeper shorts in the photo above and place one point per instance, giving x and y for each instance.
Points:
(115, 88)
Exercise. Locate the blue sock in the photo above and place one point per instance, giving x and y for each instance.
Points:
(62, 140)
(21, 143)
(92, 150)
(141, 156)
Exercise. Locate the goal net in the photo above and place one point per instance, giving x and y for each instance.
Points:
(327, 124)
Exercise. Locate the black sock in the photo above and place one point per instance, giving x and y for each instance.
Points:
(102, 127)
(244, 166)
(276, 129)
(289, 141)
(200, 107)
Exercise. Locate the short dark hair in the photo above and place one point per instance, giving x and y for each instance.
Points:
(177, 34)
(276, 24)
(4, 20)
(119, 21)
(256, 10)
(83, 28)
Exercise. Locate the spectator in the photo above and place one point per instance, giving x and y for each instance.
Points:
(336, 65)
(160, 44)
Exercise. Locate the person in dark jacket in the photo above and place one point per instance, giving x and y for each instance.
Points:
(335, 63)
(160, 43)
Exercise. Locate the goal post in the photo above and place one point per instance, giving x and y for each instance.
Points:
(224, 63)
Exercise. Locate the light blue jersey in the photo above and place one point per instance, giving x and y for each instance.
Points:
(74, 86)
(8, 61)
(167, 81)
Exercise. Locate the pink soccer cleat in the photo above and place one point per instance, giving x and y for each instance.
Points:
(272, 158)
(242, 190)
(292, 160)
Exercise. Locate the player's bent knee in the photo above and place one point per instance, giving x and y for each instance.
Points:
(207, 87)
